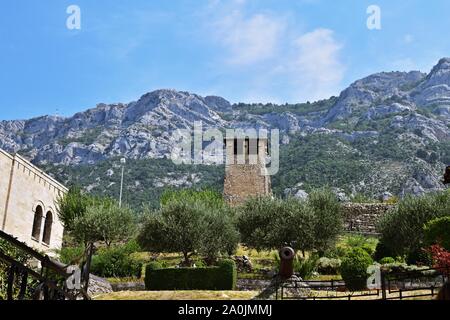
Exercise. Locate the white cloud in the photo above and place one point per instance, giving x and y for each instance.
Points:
(249, 40)
(270, 55)
(317, 67)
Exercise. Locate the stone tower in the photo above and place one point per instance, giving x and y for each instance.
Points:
(245, 170)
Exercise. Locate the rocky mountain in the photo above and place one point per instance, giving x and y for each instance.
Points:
(389, 132)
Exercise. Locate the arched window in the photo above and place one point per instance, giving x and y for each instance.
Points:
(36, 233)
(47, 228)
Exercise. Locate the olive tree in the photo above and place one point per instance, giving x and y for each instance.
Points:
(75, 203)
(314, 224)
(328, 215)
(220, 235)
(266, 223)
(104, 222)
(70, 206)
(191, 223)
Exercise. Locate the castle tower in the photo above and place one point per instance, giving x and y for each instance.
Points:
(245, 171)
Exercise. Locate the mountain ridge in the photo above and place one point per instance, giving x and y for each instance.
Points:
(410, 110)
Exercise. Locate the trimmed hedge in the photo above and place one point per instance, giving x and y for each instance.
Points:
(220, 277)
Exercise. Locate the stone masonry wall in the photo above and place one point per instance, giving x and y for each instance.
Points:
(364, 217)
(24, 188)
(244, 179)
(243, 182)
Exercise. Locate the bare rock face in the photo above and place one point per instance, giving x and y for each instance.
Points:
(435, 89)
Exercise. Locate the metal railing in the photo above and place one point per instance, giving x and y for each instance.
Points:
(49, 280)
(403, 285)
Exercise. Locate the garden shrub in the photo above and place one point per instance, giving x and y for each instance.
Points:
(338, 252)
(117, 262)
(220, 277)
(437, 231)
(402, 228)
(329, 266)
(419, 257)
(441, 258)
(368, 244)
(387, 260)
(306, 267)
(354, 269)
(382, 251)
(153, 266)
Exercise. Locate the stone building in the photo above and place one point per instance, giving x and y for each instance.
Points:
(28, 203)
(245, 171)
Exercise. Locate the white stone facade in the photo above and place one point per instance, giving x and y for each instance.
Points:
(28, 203)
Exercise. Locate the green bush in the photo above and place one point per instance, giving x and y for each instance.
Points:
(153, 266)
(220, 277)
(71, 255)
(329, 266)
(419, 257)
(117, 262)
(387, 260)
(437, 231)
(305, 267)
(354, 269)
(382, 251)
(368, 244)
(402, 228)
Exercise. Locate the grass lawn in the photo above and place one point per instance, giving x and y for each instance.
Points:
(178, 295)
(235, 295)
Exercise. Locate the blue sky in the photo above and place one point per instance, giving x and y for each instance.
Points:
(243, 50)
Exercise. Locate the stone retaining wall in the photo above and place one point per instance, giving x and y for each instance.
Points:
(364, 217)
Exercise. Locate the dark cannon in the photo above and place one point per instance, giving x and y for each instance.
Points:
(287, 255)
